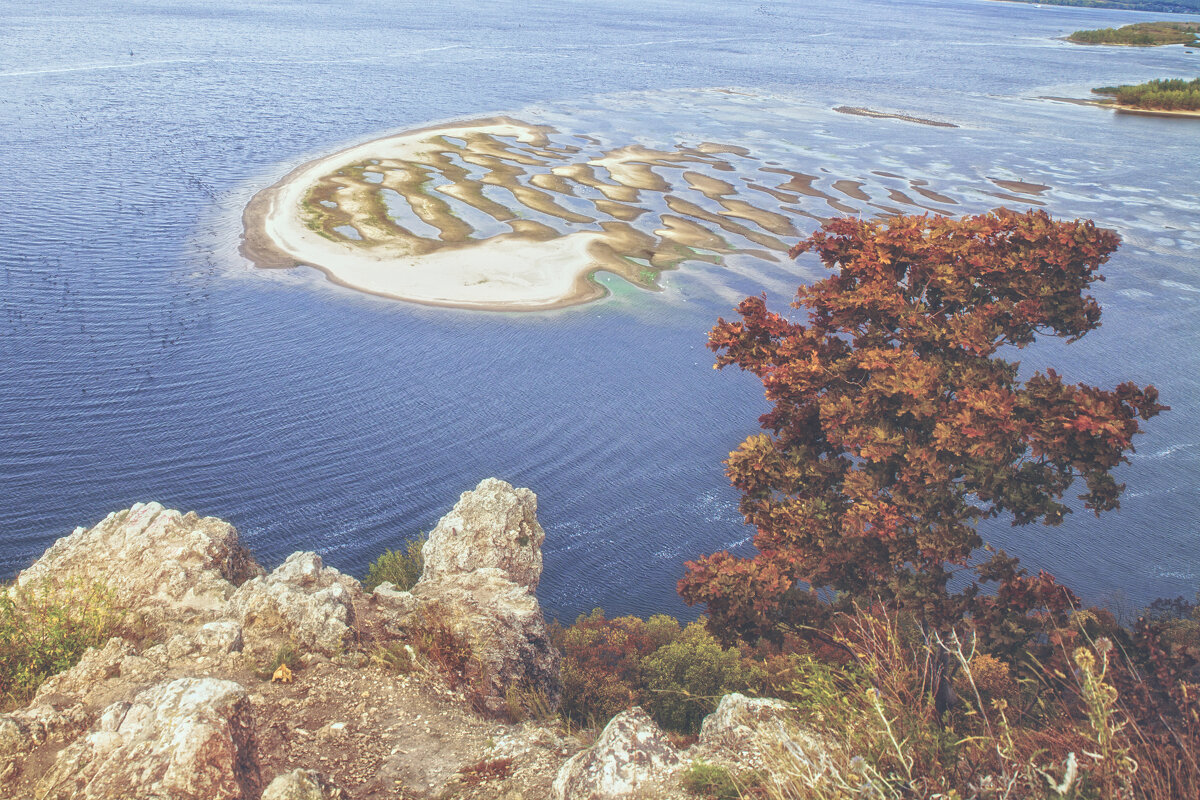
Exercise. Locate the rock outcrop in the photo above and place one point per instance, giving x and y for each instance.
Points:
(31, 727)
(493, 525)
(631, 758)
(169, 565)
(302, 603)
(483, 562)
(761, 735)
(189, 739)
(164, 713)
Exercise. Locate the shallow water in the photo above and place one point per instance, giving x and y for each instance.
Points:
(142, 358)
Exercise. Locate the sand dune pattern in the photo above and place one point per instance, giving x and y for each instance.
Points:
(499, 214)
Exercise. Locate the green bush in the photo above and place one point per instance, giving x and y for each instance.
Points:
(400, 567)
(677, 674)
(710, 781)
(45, 629)
(285, 654)
(687, 678)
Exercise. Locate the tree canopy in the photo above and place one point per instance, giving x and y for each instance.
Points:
(896, 426)
(1166, 94)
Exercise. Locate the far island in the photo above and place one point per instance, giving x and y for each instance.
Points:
(1141, 34)
(1169, 6)
(1167, 96)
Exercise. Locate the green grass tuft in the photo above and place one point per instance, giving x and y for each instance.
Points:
(45, 629)
(401, 568)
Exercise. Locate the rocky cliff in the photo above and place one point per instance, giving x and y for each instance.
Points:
(189, 709)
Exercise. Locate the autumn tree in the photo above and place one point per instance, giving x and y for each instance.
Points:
(896, 426)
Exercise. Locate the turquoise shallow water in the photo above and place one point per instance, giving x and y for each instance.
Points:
(142, 358)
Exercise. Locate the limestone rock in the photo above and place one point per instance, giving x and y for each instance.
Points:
(760, 734)
(219, 638)
(392, 607)
(505, 629)
(483, 562)
(303, 784)
(631, 758)
(189, 739)
(24, 730)
(494, 525)
(84, 681)
(151, 557)
(302, 602)
(744, 726)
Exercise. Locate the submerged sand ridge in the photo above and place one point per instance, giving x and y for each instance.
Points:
(505, 215)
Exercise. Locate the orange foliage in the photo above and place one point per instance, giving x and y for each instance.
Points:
(895, 427)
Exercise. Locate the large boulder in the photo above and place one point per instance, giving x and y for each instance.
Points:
(483, 562)
(760, 734)
(494, 525)
(189, 739)
(302, 603)
(166, 564)
(631, 758)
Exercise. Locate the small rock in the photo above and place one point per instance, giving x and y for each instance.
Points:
(755, 732)
(86, 680)
(28, 728)
(219, 638)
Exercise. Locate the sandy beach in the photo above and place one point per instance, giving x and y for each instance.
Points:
(507, 272)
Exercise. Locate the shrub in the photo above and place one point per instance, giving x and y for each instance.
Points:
(399, 567)
(445, 649)
(677, 674)
(687, 677)
(602, 671)
(45, 629)
(495, 769)
(525, 703)
(394, 657)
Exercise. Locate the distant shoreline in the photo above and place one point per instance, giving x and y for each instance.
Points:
(1148, 112)
(1156, 8)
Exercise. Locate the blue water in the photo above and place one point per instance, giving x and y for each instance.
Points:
(141, 358)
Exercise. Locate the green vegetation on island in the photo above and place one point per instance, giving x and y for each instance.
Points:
(1142, 34)
(1168, 6)
(1167, 94)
